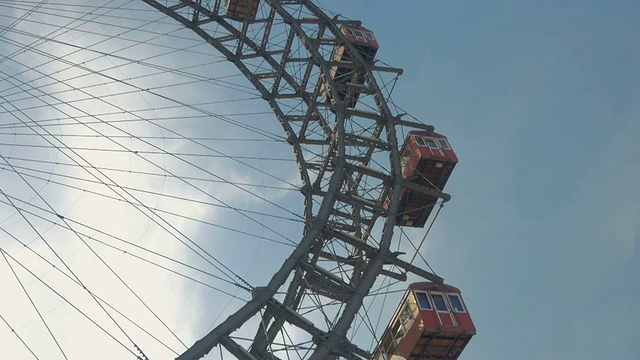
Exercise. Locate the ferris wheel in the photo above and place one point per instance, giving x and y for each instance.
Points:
(130, 126)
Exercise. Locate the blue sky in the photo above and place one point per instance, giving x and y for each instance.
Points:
(540, 100)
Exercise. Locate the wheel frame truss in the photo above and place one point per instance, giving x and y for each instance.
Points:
(347, 213)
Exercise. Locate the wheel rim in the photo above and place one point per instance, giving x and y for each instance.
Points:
(342, 250)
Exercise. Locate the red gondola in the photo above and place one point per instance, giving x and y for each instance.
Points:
(427, 159)
(237, 9)
(431, 322)
(348, 78)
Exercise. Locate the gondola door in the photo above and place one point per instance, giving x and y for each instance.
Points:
(444, 312)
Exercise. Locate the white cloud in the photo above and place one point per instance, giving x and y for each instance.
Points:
(177, 301)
